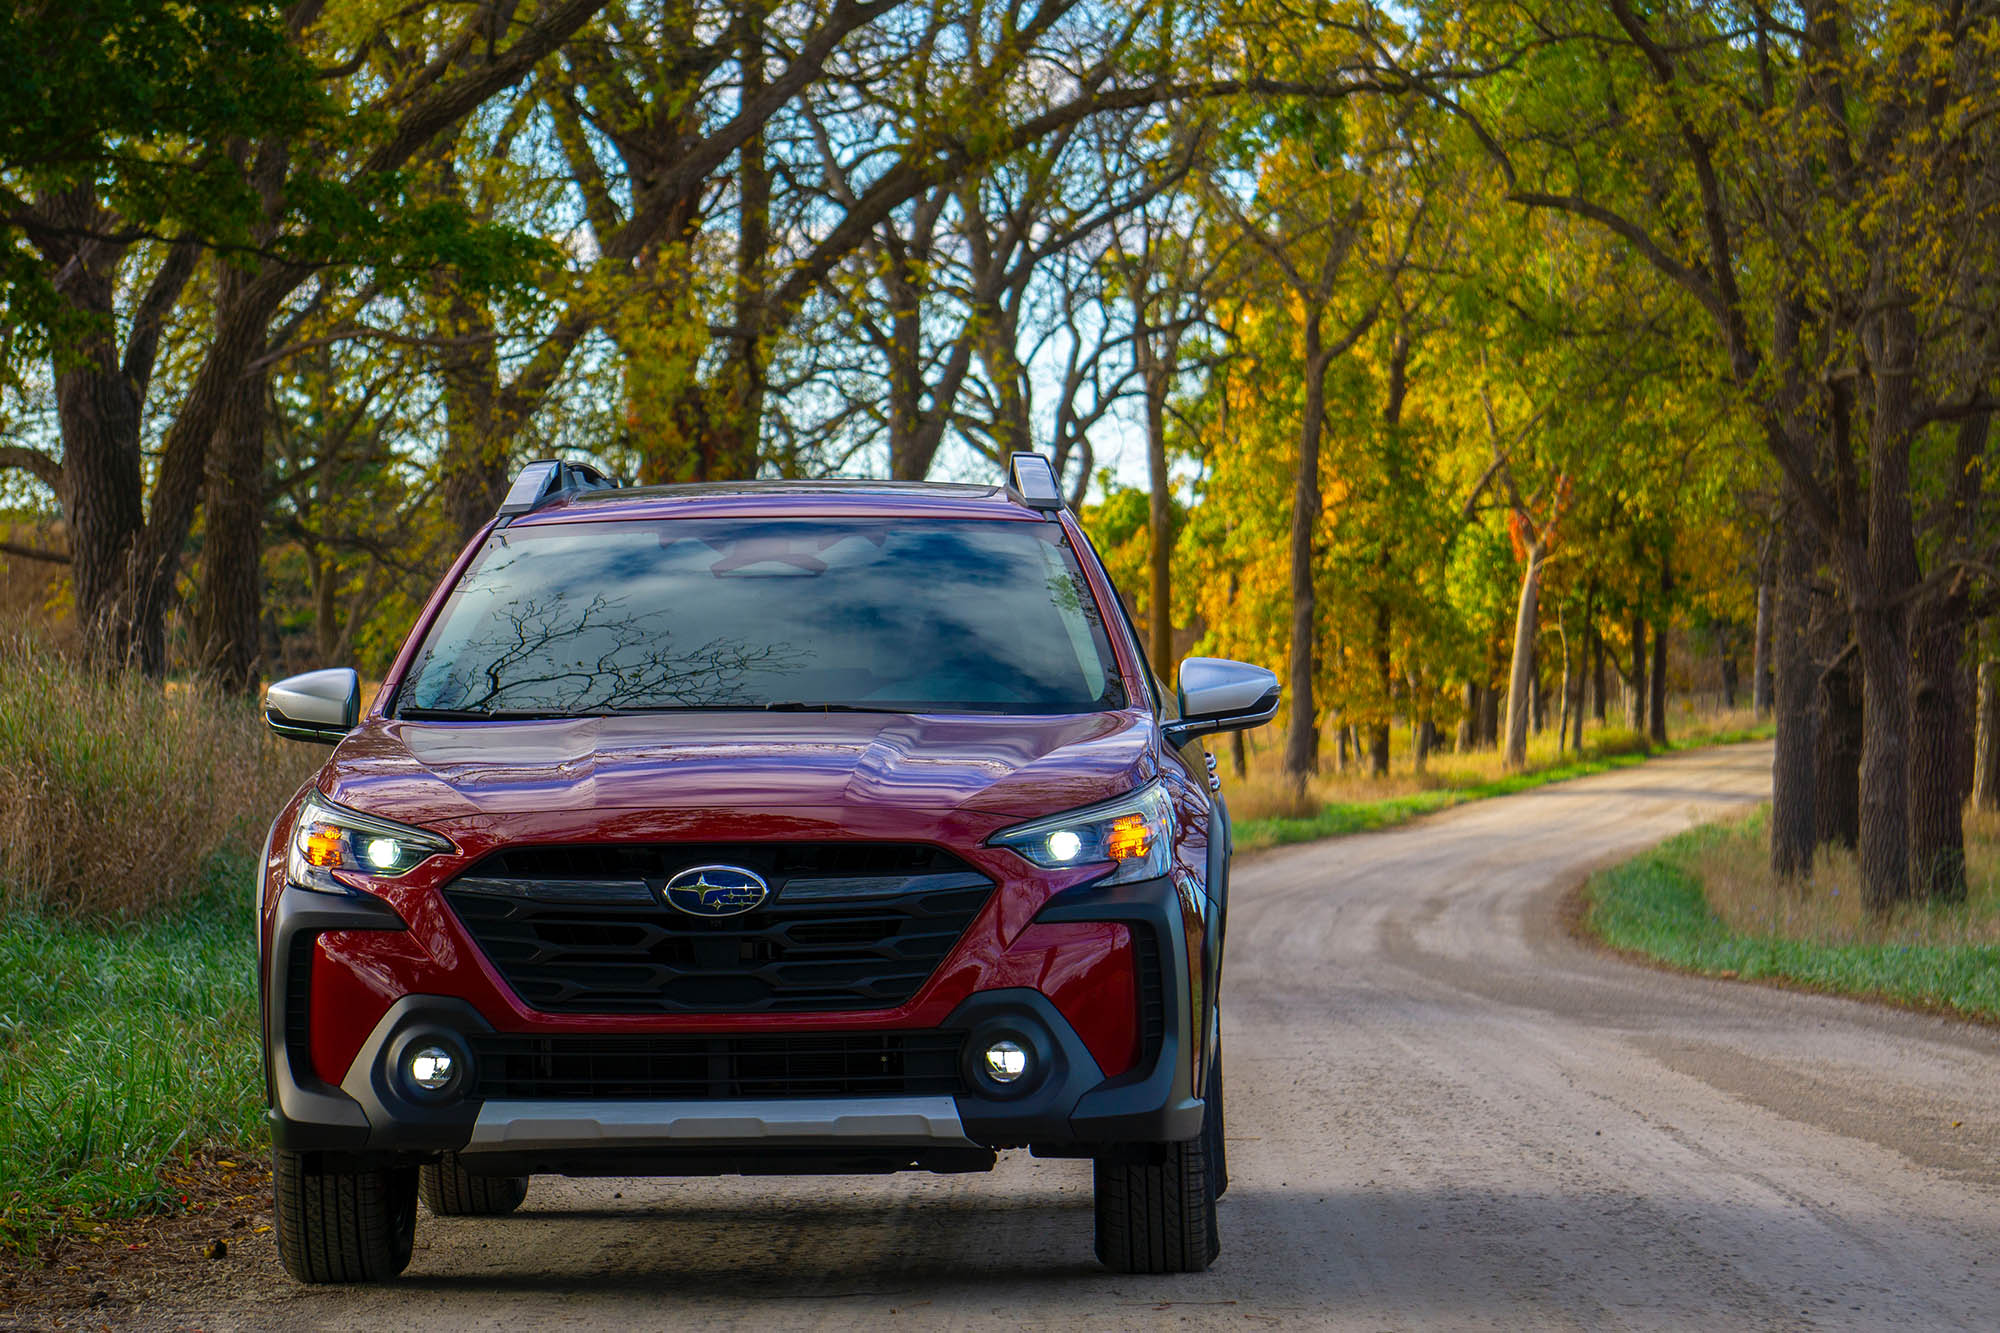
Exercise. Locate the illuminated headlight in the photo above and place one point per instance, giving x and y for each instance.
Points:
(332, 846)
(1133, 834)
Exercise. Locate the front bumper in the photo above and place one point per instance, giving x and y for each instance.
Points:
(1064, 1106)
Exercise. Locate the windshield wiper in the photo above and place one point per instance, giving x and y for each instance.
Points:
(483, 714)
(800, 706)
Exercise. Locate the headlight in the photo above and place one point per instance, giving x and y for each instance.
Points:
(1134, 833)
(331, 838)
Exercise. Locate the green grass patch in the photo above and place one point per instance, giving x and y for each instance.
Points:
(1657, 905)
(121, 1049)
(1337, 818)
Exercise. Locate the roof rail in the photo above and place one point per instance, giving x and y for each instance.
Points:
(1033, 478)
(545, 479)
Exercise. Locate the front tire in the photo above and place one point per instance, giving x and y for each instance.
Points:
(449, 1190)
(1157, 1215)
(343, 1226)
(1212, 1135)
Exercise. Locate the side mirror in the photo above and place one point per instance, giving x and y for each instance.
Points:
(1217, 694)
(318, 706)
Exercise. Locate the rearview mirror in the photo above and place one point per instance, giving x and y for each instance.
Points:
(1217, 694)
(318, 706)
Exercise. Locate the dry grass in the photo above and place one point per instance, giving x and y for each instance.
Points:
(1734, 871)
(116, 795)
(1263, 793)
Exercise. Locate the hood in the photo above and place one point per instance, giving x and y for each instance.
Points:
(825, 763)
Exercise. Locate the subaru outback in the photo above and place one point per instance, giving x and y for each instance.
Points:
(762, 828)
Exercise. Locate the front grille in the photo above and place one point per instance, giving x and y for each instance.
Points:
(849, 926)
(837, 1064)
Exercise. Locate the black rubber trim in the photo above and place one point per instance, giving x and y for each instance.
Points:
(307, 1113)
(1062, 1069)
(1153, 1102)
(403, 1119)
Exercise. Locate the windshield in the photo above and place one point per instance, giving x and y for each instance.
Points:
(898, 616)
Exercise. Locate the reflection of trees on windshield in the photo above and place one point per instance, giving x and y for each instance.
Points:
(551, 656)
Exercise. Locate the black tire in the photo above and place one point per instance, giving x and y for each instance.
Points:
(1214, 1141)
(1158, 1215)
(343, 1226)
(449, 1190)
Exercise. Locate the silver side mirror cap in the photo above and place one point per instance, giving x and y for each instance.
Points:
(319, 706)
(1217, 694)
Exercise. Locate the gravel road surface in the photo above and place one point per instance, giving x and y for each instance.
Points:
(1443, 1113)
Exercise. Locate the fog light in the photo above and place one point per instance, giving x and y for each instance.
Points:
(432, 1068)
(1006, 1061)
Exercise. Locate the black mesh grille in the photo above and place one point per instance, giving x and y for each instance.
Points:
(1152, 994)
(298, 998)
(848, 926)
(836, 1064)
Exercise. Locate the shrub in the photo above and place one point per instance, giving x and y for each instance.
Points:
(117, 794)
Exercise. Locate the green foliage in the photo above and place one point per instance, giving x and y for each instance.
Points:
(120, 1050)
(1655, 905)
(136, 102)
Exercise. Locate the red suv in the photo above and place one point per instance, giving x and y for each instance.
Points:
(763, 828)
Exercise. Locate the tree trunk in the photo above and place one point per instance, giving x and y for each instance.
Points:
(1937, 733)
(748, 376)
(1538, 692)
(1837, 759)
(1159, 515)
(1882, 576)
(1597, 699)
(1761, 697)
(228, 605)
(1729, 681)
(1576, 710)
(1520, 680)
(1302, 735)
(1468, 720)
(1986, 750)
(1796, 679)
(1657, 713)
(1635, 679)
(1237, 756)
(1385, 682)
(1489, 718)
(1341, 754)
(1566, 679)
(103, 493)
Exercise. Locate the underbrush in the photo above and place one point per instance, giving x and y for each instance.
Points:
(1706, 901)
(116, 793)
(1267, 811)
(123, 1049)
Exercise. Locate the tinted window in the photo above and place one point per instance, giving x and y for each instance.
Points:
(941, 617)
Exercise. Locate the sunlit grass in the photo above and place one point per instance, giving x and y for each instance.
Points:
(1707, 901)
(115, 793)
(1268, 813)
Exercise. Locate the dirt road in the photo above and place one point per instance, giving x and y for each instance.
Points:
(1443, 1113)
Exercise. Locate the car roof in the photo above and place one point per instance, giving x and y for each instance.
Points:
(781, 499)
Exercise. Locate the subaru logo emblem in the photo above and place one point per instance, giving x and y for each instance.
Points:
(715, 890)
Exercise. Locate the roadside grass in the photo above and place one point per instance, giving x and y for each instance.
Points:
(116, 792)
(122, 1050)
(1266, 814)
(1705, 901)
